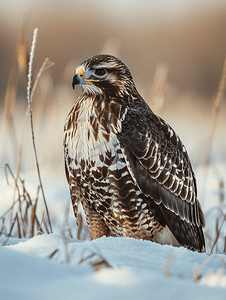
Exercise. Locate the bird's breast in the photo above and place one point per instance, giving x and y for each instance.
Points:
(90, 133)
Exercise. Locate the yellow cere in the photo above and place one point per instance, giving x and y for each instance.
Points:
(80, 73)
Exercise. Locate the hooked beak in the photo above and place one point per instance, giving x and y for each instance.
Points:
(78, 78)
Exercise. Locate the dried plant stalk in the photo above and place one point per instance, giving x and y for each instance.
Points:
(19, 211)
(29, 99)
(218, 231)
(156, 93)
(97, 264)
(18, 227)
(215, 112)
(46, 64)
(53, 254)
(79, 222)
(197, 274)
(168, 265)
(40, 231)
(221, 191)
(197, 271)
(33, 212)
(9, 105)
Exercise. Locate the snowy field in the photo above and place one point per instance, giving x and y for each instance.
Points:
(137, 272)
(111, 268)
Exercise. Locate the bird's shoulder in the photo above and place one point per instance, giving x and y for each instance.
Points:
(141, 122)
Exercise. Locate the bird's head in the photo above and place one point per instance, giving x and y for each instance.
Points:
(104, 74)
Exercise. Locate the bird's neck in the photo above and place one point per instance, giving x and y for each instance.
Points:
(107, 111)
(99, 114)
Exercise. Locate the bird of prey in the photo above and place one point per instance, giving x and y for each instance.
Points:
(125, 165)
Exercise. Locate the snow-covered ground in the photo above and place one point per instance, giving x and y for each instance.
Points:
(139, 269)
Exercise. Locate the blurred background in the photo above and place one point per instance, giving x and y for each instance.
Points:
(174, 49)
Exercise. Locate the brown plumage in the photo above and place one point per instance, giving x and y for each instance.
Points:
(126, 165)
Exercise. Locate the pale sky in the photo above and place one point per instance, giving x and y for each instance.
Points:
(127, 8)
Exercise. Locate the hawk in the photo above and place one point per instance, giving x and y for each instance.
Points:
(125, 165)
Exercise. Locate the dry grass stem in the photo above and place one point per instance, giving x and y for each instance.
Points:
(22, 56)
(221, 191)
(80, 223)
(97, 261)
(22, 213)
(18, 227)
(10, 101)
(213, 122)
(221, 260)
(40, 231)
(217, 232)
(215, 112)
(46, 65)
(53, 254)
(33, 212)
(31, 121)
(156, 94)
(168, 265)
(197, 272)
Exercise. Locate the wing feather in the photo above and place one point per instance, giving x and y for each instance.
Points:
(162, 168)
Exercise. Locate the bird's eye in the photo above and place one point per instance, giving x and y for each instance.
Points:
(100, 72)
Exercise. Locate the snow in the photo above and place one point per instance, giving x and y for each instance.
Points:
(137, 270)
